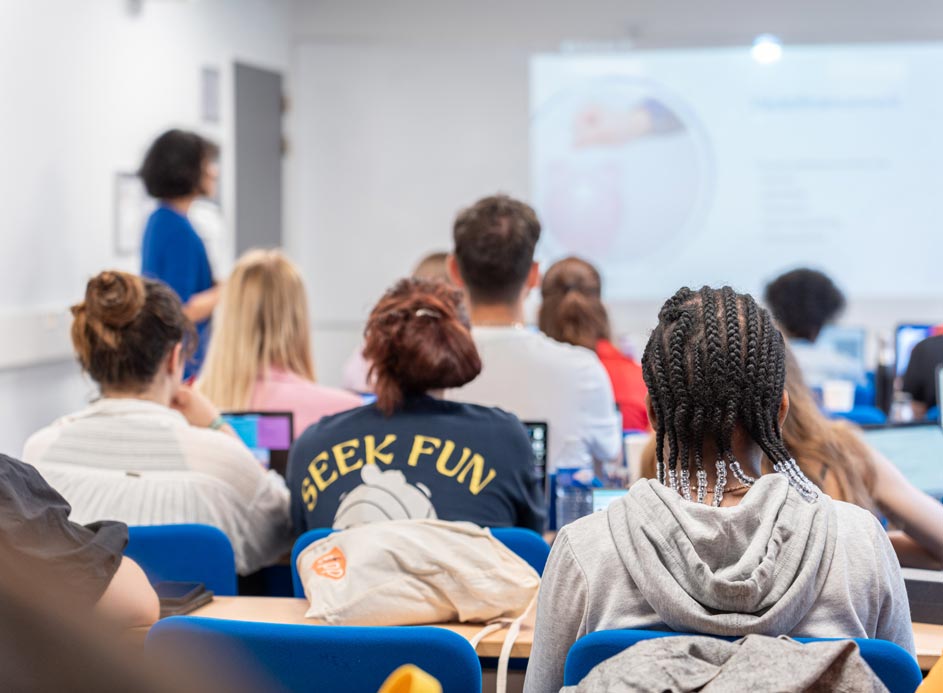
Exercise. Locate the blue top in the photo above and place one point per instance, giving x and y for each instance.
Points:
(173, 253)
(431, 459)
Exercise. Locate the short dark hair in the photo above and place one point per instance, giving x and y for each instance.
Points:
(174, 164)
(495, 240)
(803, 301)
(125, 328)
(418, 338)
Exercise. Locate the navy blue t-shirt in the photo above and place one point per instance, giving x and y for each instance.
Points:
(431, 459)
(173, 252)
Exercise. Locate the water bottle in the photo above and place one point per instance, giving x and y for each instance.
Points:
(574, 494)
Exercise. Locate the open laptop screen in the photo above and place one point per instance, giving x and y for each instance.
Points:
(915, 449)
(267, 434)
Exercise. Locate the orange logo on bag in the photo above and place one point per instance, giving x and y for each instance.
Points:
(331, 565)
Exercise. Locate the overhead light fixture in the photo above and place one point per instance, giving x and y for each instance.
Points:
(766, 49)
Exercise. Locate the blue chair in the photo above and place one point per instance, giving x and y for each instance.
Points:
(184, 553)
(525, 543)
(319, 658)
(896, 668)
(933, 414)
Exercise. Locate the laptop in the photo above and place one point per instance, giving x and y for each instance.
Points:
(267, 434)
(906, 337)
(916, 449)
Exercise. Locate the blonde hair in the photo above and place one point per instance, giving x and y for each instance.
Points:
(261, 323)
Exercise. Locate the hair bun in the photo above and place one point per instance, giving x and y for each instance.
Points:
(115, 298)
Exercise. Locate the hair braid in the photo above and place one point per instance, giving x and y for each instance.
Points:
(715, 360)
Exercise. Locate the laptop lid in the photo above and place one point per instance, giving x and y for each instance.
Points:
(267, 434)
(916, 449)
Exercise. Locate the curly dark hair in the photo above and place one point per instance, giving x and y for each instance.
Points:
(803, 301)
(716, 360)
(418, 339)
(495, 240)
(174, 163)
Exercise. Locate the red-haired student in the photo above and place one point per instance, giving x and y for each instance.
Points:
(412, 454)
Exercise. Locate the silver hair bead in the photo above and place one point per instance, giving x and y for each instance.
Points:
(721, 482)
(740, 475)
(701, 485)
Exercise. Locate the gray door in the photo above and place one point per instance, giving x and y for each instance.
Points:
(258, 158)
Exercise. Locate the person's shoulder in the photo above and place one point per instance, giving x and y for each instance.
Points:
(588, 539)
(930, 345)
(856, 525)
(563, 355)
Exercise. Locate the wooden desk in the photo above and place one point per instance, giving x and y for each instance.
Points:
(929, 641)
(928, 638)
(289, 610)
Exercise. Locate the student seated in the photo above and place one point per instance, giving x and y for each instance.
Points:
(524, 371)
(572, 311)
(86, 562)
(920, 377)
(260, 356)
(834, 456)
(152, 451)
(803, 301)
(713, 545)
(412, 454)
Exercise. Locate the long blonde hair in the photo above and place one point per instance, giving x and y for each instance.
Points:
(261, 323)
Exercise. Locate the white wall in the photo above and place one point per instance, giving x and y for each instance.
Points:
(86, 85)
(408, 110)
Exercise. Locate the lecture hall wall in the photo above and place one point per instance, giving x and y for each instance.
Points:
(414, 108)
(86, 84)
(401, 112)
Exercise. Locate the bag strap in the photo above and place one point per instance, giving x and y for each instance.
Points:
(514, 630)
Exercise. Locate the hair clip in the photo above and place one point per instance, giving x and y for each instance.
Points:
(426, 313)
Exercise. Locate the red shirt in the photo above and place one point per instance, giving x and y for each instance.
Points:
(627, 384)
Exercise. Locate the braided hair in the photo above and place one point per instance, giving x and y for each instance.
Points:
(715, 360)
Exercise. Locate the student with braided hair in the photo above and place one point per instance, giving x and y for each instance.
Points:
(713, 545)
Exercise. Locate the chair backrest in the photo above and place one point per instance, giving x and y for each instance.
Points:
(320, 658)
(184, 553)
(525, 543)
(896, 668)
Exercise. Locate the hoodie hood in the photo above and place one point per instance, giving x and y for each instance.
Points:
(757, 567)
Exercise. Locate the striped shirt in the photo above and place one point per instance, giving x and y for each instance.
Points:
(142, 463)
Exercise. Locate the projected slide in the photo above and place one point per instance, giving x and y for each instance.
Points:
(703, 166)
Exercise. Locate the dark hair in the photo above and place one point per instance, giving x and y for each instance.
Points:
(174, 164)
(495, 240)
(803, 301)
(418, 339)
(716, 360)
(572, 310)
(125, 327)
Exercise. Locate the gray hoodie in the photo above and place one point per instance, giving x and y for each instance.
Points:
(774, 564)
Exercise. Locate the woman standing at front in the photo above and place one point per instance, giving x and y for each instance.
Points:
(178, 168)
